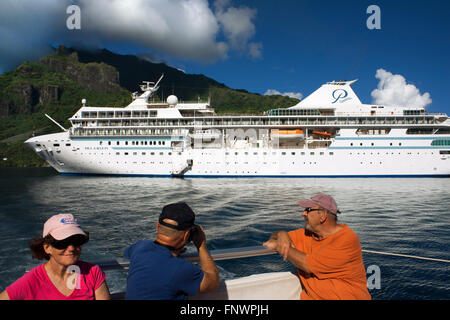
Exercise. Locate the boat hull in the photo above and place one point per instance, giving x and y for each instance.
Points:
(413, 158)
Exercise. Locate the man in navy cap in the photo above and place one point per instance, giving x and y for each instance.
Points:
(327, 254)
(156, 270)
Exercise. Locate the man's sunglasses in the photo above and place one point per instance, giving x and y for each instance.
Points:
(308, 210)
(76, 241)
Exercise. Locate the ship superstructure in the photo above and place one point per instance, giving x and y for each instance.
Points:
(329, 133)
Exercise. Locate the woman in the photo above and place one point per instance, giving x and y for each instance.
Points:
(64, 276)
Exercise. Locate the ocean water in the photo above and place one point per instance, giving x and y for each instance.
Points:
(400, 215)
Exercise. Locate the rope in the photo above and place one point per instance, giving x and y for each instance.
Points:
(406, 256)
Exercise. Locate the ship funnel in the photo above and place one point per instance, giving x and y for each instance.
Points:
(332, 94)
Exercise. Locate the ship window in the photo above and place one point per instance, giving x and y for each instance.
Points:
(321, 153)
(419, 131)
(444, 152)
(311, 153)
(302, 153)
(152, 153)
(56, 144)
(161, 153)
(67, 144)
(440, 143)
(293, 153)
(283, 153)
(117, 142)
(109, 143)
(351, 144)
(117, 153)
(411, 112)
(126, 142)
(331, 153)
(143, 153)
(126, 153)
(443, 131)
(134, 153)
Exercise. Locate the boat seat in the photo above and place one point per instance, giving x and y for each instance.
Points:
(265, 286)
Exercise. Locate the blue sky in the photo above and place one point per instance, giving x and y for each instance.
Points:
(257, 45)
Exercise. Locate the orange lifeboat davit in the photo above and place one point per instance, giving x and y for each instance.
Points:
(288, 134)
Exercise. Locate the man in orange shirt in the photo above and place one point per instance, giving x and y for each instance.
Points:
(327, 254)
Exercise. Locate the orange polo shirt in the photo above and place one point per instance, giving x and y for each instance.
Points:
(335, 263)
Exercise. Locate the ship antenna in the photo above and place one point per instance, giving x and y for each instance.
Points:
(54, 121)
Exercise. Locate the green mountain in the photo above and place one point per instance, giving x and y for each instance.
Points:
(56, 84)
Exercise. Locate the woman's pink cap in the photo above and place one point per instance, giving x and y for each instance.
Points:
(62, 226)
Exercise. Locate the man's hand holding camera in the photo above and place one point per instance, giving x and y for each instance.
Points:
(197, 236)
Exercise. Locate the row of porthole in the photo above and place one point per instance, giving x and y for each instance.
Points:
(372, 144)
(136, 143)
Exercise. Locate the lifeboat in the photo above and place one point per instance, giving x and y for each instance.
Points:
(322, 133)
(288, 134)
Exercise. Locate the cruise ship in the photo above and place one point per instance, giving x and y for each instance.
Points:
(330, 133)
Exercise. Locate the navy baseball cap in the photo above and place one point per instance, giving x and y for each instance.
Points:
(179, 212)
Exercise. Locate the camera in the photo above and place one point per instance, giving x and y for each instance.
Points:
(192, 232)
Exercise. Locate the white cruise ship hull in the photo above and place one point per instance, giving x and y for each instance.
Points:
(368, 156)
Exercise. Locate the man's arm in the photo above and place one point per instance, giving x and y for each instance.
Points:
(282, 243)
(210, 280)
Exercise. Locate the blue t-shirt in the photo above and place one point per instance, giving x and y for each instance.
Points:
(155, 274)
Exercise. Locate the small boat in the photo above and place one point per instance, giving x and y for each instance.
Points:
(264, 286)
(288, 134)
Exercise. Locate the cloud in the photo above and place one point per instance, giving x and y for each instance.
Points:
(393, 90)
(255, 50)
(238, 27)
(272, 92)
(185, 29)
(189, 30)
(23, 26)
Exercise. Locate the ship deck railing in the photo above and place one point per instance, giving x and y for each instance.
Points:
(254, 121)
(100, 130)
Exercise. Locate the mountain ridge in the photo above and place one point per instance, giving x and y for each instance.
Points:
(56, 84)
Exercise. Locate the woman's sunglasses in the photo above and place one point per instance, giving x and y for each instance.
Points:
(76, 241)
